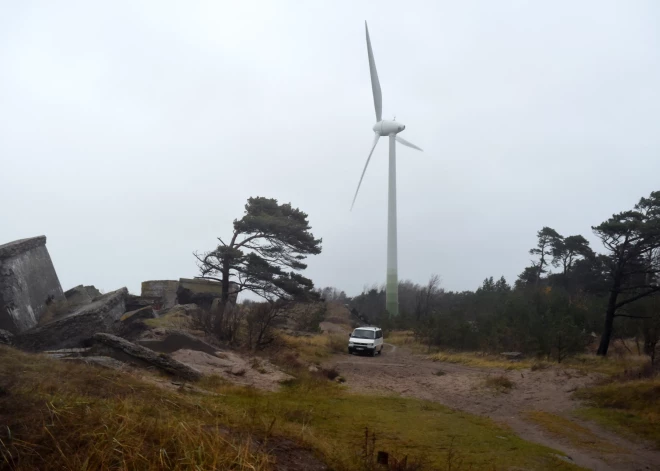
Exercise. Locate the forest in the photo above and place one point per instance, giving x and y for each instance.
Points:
(570, 296)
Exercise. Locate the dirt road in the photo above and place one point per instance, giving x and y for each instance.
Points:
(397, 371)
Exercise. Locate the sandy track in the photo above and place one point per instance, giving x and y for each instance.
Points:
(399, 372)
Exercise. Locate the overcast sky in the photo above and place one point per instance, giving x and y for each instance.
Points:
(132, 133)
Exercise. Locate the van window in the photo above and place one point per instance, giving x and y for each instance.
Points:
(379, 334)
(363, 334)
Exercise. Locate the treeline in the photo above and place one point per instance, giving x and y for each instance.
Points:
(569, 294)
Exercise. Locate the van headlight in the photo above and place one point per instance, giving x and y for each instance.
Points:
(351, 344)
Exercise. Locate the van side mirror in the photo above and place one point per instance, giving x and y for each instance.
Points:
(350, 335)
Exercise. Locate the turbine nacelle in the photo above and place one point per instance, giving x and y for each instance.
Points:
(385, 127)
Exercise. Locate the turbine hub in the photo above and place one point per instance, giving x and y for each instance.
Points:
(386, 127)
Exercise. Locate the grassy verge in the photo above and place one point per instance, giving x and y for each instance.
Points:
(627, 406)
(59, 415)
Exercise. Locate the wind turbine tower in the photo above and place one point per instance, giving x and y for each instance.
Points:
(391, 129)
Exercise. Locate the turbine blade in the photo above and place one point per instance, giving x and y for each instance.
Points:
(406, 143)
(375, 84)
(376, 137)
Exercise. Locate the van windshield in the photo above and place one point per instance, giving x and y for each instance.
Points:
(364, 334)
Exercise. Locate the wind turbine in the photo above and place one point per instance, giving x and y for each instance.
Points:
(391, 129)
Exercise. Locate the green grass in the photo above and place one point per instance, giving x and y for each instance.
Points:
(631, 407)
(58, 415)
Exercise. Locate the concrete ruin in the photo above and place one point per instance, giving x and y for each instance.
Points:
(73, 330)
(202, 292)
(28, 284)
(162, 292)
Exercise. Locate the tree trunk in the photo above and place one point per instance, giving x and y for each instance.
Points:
(225, 282)
(609, 320)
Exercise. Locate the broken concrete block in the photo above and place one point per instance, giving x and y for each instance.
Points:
(123, 350)
(163, 292)
(77, 296)
(93, 292)
(72, 330)
(28, 283)
(170, 341)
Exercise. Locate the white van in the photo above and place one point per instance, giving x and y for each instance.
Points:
(366, 340)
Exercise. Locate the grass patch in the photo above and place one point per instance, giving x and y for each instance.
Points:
(578, 435)
(500, 383)
(59, 415)
(174, 320)
(631, 407)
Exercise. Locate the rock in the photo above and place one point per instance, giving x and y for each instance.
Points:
(163, 292)
(77, 296)
(312, 369)
(237, 371)
(72, 330)
(6, 338)
(138, 315)
(123, 350)
(28, 284)
(169, 341)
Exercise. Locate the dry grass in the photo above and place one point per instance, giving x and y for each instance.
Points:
(312, 348)
(628, 406)
(58, 415)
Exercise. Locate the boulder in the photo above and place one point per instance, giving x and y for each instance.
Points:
(6, 337)
(28, 284)
(73, 330)
(128, 352)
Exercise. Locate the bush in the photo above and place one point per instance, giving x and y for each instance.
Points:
(500, 383)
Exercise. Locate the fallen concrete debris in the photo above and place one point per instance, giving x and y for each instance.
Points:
(28, 284)
(128, 352)
(72, 330)
(81, 295)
